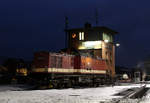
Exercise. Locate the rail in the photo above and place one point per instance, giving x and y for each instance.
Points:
(135, 93)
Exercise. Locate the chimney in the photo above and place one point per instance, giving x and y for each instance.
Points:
(87, 25)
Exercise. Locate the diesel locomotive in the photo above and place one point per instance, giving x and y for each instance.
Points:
(58, 70)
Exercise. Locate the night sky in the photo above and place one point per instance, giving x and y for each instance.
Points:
(32, 25)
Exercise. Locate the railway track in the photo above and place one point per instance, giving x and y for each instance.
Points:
(130, 95)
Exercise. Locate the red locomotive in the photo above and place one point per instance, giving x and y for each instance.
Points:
(64, 70)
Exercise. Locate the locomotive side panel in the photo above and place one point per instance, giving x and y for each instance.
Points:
(92, 66)
(99, 65)
(61, 70)
(60, 63)
(67, 62)
(86, 63)
(41, 60)
(77, 62)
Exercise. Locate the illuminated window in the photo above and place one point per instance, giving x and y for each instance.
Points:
(81, 35)
(73, 35)
(90, 45)
(107, 38)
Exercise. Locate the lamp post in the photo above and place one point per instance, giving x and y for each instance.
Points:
(137, 76)
(117, 44)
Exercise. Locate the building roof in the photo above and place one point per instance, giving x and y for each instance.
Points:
(97, 28)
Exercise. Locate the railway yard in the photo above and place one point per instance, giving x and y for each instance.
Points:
(125, 93)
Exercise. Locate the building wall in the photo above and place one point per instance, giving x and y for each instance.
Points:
(108, 53)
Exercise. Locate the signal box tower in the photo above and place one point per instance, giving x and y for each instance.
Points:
(97, 42)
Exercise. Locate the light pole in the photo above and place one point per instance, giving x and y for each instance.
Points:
(117, 45)
(137, 76)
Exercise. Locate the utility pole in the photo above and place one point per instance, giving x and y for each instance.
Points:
(66, 28)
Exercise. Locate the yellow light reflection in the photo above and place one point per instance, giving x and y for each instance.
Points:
(90, 45)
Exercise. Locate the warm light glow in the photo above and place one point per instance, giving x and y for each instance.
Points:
(91, 45)
(73, 35)
(81, 47)
(106, 41)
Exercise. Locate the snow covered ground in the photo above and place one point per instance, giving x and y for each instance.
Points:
(146, 98)
(10, 94)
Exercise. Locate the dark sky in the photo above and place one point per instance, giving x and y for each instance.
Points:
(31, 25)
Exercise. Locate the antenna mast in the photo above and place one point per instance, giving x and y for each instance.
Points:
(96, 16)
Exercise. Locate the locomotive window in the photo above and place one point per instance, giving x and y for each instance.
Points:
(59, 62)
(72, 61)
(53, 61)
(40, 58)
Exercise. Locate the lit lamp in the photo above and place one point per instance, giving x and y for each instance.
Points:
(117, 44)
(106, 41)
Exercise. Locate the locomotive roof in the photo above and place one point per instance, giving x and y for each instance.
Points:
(65, 54)
(54, 53)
